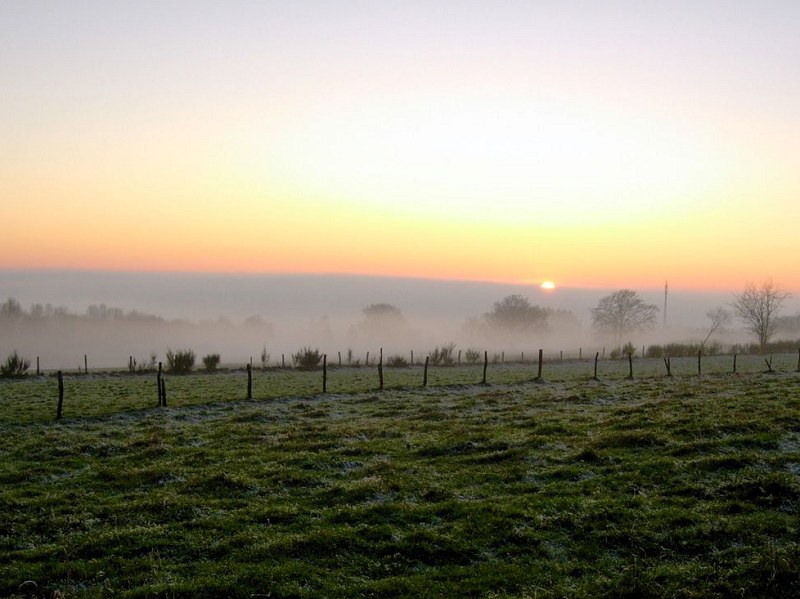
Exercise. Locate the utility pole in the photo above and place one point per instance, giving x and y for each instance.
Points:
(666, 289)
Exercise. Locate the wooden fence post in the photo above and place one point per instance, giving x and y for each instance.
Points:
(502, 357)
(561, 355)
(798, 360)
(158, 383)
(283, 361)
(60, 395)
(367, 362)
(249, 381)
(580, 353)
(522, 357)
(425, 372)
(38, 372)
(668, 364)
(412, 357)
(596, 356)
(380, 371)
(539, 372)
(769, 364)
(630, 365)
(340, 358)
(325, 373)
(485, 365)
(85, 364)
(164, 391)
(459, 357)
(699, 362)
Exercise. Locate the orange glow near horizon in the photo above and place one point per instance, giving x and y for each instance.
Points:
(331, 141)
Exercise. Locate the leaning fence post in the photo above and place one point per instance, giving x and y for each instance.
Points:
(324, 373)
(380, 370)
(60, 395)
(539, 371)
(668, 364)
(425, 372)
(485, 365)
(630, 365)
(249, 381)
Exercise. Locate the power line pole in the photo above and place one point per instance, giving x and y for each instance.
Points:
(666, 289)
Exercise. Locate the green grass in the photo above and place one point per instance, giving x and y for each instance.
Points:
(35, 399)
(657, 487)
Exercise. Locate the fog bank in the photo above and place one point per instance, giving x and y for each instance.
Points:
(215, 314)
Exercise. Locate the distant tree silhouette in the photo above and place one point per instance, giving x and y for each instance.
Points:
(758, 308)
(622, 313)
(515, 313)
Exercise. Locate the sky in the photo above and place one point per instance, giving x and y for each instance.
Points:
(613, 144)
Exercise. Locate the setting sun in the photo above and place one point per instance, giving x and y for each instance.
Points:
(548, 285)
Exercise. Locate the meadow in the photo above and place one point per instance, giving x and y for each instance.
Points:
(683, 486)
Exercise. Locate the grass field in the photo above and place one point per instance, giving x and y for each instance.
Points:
(656, 487)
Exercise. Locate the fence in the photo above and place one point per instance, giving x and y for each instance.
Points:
(273, 382)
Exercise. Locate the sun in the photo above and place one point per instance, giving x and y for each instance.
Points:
(548, 285)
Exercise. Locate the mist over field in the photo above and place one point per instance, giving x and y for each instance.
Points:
(240, 315)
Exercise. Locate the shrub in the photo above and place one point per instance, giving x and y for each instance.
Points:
(264, 357)
(15, 366)
(396, 362)
(307, 359)
(684, 350)
(443, 355)
(211, 361)
(622, 352)
(180, 361)
(350, 360)
(472, 355)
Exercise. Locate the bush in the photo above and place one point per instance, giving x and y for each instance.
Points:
(180, 361)
(622, 352)
(471, 356)
(307, 359)
(683, 350)
(264, 357)
(443, 356)
(211, 361)
(351, 361)
(396, 362)
(15, 366)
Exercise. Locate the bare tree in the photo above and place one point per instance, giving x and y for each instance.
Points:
(758, 307)
(623, 312)
(720, 318)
